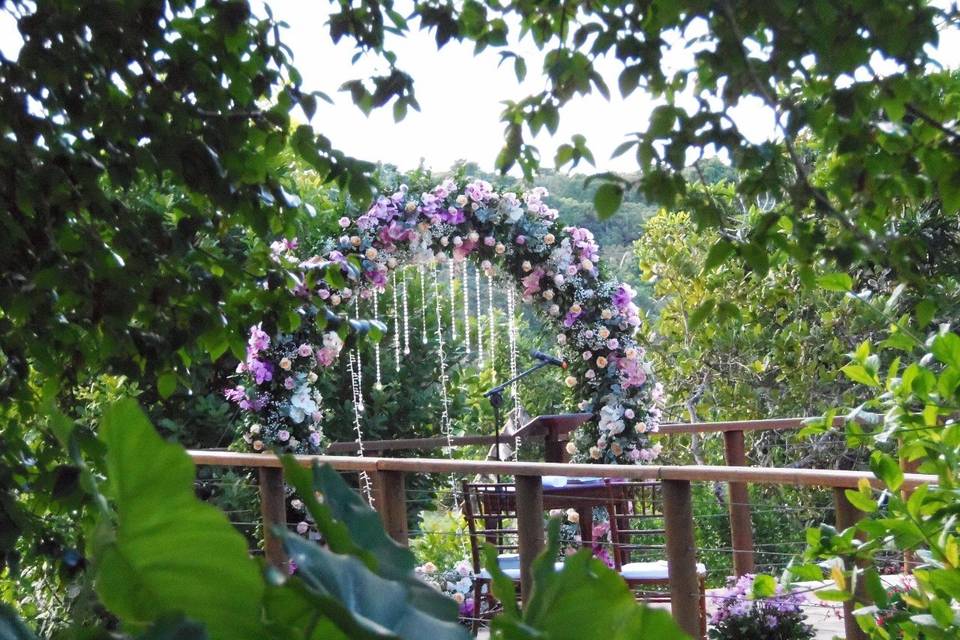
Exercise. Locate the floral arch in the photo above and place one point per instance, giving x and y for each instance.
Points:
(511, 238)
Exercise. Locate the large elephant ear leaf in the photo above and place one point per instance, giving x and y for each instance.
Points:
(347, 523)
(166, 552)
(360, 603)
(11, 627)
(566, 604)
(356, 539)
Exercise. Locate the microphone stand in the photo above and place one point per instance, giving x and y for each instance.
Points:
(495, 396)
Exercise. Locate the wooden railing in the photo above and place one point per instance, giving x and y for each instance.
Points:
(738, 504)
(388, 474)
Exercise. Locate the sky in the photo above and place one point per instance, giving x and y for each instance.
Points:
(461, 97)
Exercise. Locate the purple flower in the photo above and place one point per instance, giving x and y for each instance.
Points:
(237, 394)
(315, 439)
(262, 371)
(623, 296)
(377, 277)
(393, 233)
(288, 383)
(283, 435)
(453, 215)
(259, 340)
(570, 318)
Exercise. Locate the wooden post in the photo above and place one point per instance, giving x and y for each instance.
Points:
(741, 527)
(553, 447)
(529, 527)
(681, 556)
(847, 516)
(390, 502)
(273, 511)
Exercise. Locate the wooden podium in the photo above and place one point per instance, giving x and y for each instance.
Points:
(552, 427)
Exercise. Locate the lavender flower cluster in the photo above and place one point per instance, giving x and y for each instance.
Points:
(513, 237)
(740, 616)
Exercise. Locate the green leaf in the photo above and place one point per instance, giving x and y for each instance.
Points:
(718, 254)
(168, 552)
(887, 469)
(166, 384)
(924, 313)
(946, 349)
(348, 509)
(861, 501)
(362, 604)
(607, 199)
(569, 602)
(701, 312)
(833, 595)
(835, 281)
(858, 373)
(11, 627)
(764, 586)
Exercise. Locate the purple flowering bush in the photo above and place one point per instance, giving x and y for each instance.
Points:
(514, 238)
(743, 615)
(282, 410)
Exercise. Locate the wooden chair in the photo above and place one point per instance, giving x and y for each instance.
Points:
(490, 509)
(637, 537)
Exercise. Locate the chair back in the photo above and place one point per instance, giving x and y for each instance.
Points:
(636, 520)
(490, 509)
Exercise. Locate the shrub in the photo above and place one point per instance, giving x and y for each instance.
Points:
(755, 608)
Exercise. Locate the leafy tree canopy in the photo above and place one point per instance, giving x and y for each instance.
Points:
(861, 78)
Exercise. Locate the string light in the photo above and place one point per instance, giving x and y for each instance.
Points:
(365, 485)
(453, 300)
(406, 315)
(512, 342)
(466, 308)
(396, 322)
(356, 316)
(423, 306)
(445, 426)
(378, 385)
(493, 328)
(479, 319)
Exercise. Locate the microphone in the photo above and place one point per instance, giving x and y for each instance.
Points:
(546, 357)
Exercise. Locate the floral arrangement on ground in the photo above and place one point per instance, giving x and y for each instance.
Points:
(515, 240)
(742, 614)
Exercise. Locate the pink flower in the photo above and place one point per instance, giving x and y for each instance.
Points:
(531, 283)
(344, 222)
(520, 240)
(489, 241)
(288, 383)
(304, 350)
(393, 233)
(326, 356)
(464, 249)
(283, 435)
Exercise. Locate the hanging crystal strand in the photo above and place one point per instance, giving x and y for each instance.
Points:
(356, 316)
(423, 305)
(479, 317)
(406, 315)
(444, 398)
(396, 322)
(512, 345)
(378, 384)
(493, 329)
(365, 484)
(466, 308)
(453, 300)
